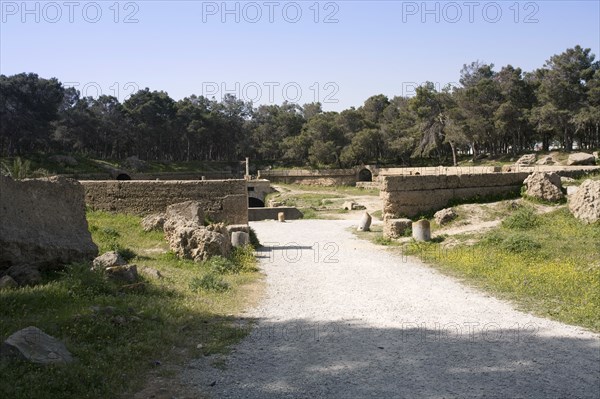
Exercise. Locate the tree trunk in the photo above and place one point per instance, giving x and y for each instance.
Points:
(453, 148)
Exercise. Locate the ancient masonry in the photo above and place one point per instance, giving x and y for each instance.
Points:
(409, 196)
(43, 223)
(221, 200)
(324, 177)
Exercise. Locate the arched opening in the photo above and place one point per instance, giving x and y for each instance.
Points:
(255, 203)
(123, 176)
(365, 175)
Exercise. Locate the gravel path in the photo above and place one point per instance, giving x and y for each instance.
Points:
(352, 321)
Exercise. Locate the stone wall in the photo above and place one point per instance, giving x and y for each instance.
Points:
(223, 200)
(259, 189)
(568, 171)
(323, 177)
(410, 195)
(42, 223)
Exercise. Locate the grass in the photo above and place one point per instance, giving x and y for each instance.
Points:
(43, 162)
(591, 176)
(309, 200)
(547, 264)
(116, 336)
(375, 235)
(309, 213)
(377, 214)
(346, 190)
(88, 165)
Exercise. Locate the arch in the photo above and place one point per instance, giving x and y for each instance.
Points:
(255, 203)
(365, 175)
(123, 176)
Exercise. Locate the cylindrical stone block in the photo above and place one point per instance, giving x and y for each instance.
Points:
(421, 230)
(281, 217)
(365, 222)
(239, 238)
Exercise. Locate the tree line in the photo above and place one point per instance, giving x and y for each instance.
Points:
(505, 111)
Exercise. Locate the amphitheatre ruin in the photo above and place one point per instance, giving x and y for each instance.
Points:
(208, 219)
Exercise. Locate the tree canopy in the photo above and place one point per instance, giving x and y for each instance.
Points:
(491, 111)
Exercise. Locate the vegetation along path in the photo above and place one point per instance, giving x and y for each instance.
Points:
(344, 319)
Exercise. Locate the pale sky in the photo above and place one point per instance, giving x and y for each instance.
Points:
(337, 52)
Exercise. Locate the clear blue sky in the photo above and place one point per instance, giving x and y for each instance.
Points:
(374, 47)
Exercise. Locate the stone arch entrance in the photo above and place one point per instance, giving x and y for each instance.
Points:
(123, 176)
(255, 203)
(365, 175)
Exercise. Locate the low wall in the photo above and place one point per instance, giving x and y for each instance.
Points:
(255, 214)
(112, 175)
(567, 171)
(222, 200)
(323, 177)
(410, 195)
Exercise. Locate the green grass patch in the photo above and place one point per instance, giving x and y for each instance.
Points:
(377, 214)
(347, 190)
(309, 213)
(524, 218)
(547, 264)
(118, 336)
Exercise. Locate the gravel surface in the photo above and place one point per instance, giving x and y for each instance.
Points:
(353, 321)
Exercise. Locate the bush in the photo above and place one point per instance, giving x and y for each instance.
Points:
(209, 282)
(127, 253)
(523, 219)
(220, 265)
(254, 239)
(519, 243)
(244, 258)
(82, 281)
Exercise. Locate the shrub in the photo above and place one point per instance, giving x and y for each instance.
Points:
(209, 282)
(519, 243)
(127, 253)
(82, 281)
(220, 265)
(524, 218)
(244, 258)
(254, 239)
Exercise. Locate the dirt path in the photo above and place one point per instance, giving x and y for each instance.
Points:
(350, 320)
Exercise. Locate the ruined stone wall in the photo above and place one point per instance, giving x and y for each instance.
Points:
(323, 177)
(222, 200)
(259, 189)
(568, 171)
(42, 223)
(409, 195)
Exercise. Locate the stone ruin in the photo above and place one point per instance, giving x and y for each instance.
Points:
(43, 227)
(188, 236)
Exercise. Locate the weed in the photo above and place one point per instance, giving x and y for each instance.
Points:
(209, 282)
(19, 169)
(381, 240)
(309, 213)
(519, 243)
(244, 258)
(524, 218)
(220, 265)
(254, 241)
